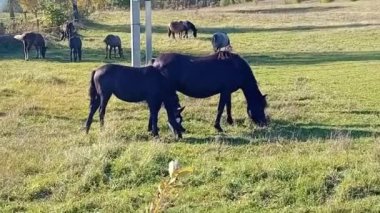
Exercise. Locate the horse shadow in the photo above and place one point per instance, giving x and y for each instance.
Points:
(280, 131)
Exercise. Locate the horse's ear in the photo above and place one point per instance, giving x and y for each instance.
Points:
(180, 109)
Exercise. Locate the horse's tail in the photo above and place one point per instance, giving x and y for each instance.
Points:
(19, 37)
(92, 91)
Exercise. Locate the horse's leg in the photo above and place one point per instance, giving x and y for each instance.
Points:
(94, 105)
(229, 115)
(106, 51)
(71, 54)
(150, 124)
(154, 108)
(26, 56)
(75, 54)
(170, 111)
(114, 51)
(222, 102)
(36, 50)
(104, 98)
(80, 54)
(109, 53)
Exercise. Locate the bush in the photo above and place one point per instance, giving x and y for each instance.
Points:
(55, 16)
(225, 2)
(326, 1)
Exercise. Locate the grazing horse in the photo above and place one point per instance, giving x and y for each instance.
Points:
(30, 39)
(134, 85)
(190, 26)
(176, 27)
(113, 41)
(67, 29)
(221, 44)
(202, 77)
(75, 45)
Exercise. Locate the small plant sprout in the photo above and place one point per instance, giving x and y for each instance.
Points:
(173, 166)
(167, 188)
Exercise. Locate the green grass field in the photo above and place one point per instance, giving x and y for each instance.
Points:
(318, 63)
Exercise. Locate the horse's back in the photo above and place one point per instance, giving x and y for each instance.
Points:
(112, 40)
(202, 76)
(128, 83)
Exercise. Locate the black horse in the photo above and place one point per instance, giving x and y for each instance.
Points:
(190, 26)
(134, 85)
(30, 39)
(113, 41)
(202, 77)
(75, 45)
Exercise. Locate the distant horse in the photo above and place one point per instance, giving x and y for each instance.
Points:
(181, 27)
(190, 26)
(30, 39)
(67, 29)
(176, 27)
(202, 77)
(220, 40)
(75, 45)
(113, 41)
(134, 85)
(221, 44)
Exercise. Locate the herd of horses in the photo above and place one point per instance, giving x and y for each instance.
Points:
(222, 72)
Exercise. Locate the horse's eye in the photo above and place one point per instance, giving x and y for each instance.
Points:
(178, 120)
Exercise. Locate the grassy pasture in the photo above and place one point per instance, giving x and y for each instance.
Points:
(318, 63)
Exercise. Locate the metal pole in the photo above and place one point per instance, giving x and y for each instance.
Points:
(148, 30)
(135, 33)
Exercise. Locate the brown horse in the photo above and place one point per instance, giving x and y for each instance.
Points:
(176, 27)
(181, 27)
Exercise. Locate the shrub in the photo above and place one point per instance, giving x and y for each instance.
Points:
(225, 2)
(55, 16)
(326, 1)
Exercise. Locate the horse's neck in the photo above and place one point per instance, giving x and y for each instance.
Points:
(251, 91)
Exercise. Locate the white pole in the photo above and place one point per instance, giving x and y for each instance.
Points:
(148, 30)
(135, 33)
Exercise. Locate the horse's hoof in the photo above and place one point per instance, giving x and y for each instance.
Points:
(178, 136)
(218, 128)
(230, 121)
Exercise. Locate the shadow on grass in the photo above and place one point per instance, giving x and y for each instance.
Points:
(211, 30)
(280, 131)
(307, 58)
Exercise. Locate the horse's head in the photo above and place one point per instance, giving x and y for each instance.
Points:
(195, 32)
(178, 120)
(256, 111)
